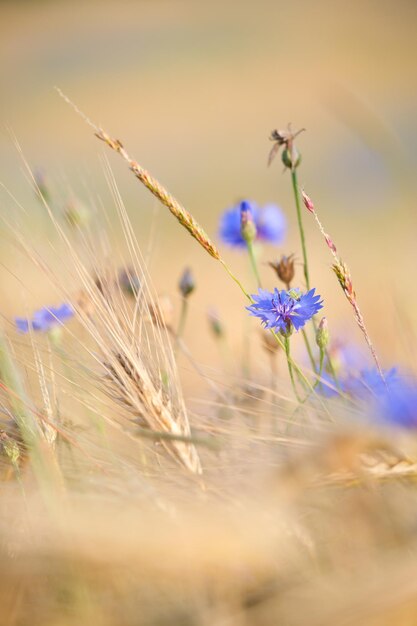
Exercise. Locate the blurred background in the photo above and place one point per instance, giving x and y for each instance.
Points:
(193, 90)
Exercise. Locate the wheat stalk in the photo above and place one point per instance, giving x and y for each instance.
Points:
(343, 276)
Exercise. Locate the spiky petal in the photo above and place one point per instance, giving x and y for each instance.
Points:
(285, 311)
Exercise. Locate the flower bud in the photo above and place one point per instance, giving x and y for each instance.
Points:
(291, 157)
(77, 214)
(187, 283)
(285, 269)
(129, 281)
(247, 223)
(42, 188)
(322, 335)
(215, 323)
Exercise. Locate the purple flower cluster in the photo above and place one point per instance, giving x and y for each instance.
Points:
(285, 311)
(270, 222)
(45, 319)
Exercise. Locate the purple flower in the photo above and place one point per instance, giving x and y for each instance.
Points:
(283, 310)
(270, 222)
(44, 319)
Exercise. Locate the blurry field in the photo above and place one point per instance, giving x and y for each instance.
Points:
(194, 89)
(304, 513)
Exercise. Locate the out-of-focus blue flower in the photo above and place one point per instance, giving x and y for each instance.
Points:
(45, 319)
(397, 404)
(327, 386)
(285, 311)
(367, 385)
(347, 358)
(370, 384)
(270, 222)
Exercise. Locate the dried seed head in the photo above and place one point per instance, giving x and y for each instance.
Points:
(322, 335)
(343, 276)
(307, 202)
(181, 214)
(290, 156)
(187, 283)
(330, 244)
(285, 269)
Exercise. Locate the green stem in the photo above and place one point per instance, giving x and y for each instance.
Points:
(254, 265)
(290, 370)
(181, 323)
(320, 372)
(309, 350)
(296, 190)
(300, 226)
(236, 280)
(331, 369)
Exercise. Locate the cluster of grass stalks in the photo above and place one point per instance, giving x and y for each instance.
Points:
(122, 506)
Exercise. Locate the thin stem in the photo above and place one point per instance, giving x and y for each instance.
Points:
(320, 372)
(309, 350)
(236, 280)
(300, 225)
(290, 370)
(331, 369)
(254, 265)
(181, 323)
(296, 190)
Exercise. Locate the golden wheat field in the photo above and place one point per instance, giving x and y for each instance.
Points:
(208, 392)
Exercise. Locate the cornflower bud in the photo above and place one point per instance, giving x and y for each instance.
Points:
(186, 284)
(247, 223)
(322, 335)
(42, 188)
(77, 214)
(285, 269)
(129, 281)
(215, 323)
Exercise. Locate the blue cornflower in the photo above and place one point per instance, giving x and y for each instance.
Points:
(45, 319)
(370, 384)
(397, 404)
(283, 310)
(270, 222)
